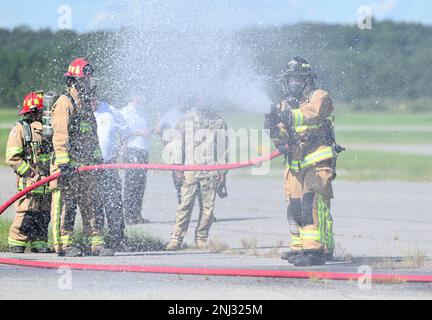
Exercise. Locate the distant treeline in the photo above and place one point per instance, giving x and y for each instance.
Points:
(390, 62)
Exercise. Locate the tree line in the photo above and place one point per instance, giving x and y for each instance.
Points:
(391, 61)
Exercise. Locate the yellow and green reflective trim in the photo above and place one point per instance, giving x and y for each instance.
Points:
(56, 217)
(38, 244)
(85, 126)
(96, 241)
(317, 156)
(295, 241)
(62, 158)
(325, 224)
(312, 158)
(312, 235)
(44, 157)
(39, 190)
(19, 243)
(301, 129)
(298, 118)
(13, 150)
(23, 167)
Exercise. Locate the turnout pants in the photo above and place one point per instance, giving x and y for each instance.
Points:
(193, 187)
(113, 205)
(82, 192)
(30, 226)
(134, 185)
(308, 193)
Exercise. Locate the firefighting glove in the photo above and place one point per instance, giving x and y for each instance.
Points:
(221, 189)
(66, 173)
(274, 117)
(29, 173)
(287, 118)
(283, 148)
(179, 178)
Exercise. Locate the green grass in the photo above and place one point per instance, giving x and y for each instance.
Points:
(383, 118)
(4, 234)
(4, 133)
(400, 137)
(8, 115)
(365, 165)
(368, 165)
(254, 120)
(357, 165)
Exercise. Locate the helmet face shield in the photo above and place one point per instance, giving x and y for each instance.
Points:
(294, 86)
(88, 70)
(296, 77)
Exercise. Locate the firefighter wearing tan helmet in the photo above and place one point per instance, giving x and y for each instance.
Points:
(28, 153)
(75, 143)
(301, 126)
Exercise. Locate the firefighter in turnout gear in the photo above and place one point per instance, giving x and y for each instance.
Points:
(28, 153)
(75, 143)
(301, 126)
(204, 142)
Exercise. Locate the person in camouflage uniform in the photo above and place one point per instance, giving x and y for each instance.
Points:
(203, 135)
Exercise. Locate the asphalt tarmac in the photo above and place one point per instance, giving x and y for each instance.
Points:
(383, 226)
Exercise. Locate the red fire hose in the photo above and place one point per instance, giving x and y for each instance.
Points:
(298, 274)
(387, 278)
(149, 166)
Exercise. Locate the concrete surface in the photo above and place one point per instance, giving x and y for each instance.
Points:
(384, 225)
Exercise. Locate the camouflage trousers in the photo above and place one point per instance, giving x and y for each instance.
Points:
(308, 193)
(205, 188)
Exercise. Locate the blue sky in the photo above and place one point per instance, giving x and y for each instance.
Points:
(96, 14)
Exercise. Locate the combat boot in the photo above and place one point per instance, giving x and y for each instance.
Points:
(308, 258)
(17, 249)
(173, 245)
(201, 244)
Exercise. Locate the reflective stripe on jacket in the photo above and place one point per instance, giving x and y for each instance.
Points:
(38, 162)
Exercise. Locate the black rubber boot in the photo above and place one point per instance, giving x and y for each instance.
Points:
(308, 258)
(287, 255)
(328, 256)
(40, 250)
(17, 249)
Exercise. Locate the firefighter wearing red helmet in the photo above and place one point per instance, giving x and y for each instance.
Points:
(75, 143)
(28, 153)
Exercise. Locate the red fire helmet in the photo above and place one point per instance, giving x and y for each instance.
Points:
(32, 101)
